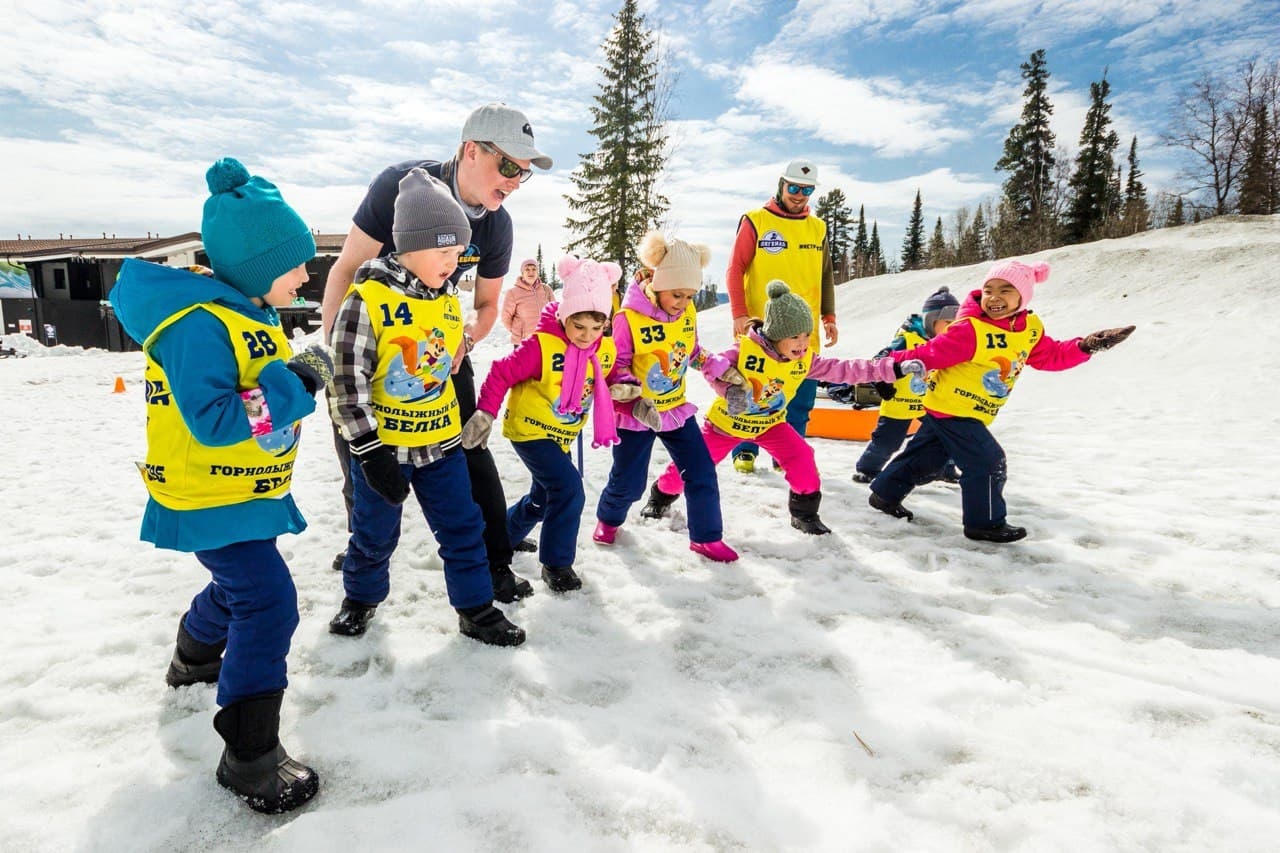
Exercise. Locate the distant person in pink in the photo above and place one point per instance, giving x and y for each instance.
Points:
(523, 302)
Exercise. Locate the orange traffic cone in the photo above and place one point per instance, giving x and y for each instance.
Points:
(119, 389)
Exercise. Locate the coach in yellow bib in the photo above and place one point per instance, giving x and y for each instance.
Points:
(783, 240)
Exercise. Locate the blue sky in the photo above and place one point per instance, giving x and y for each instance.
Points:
(113, 111)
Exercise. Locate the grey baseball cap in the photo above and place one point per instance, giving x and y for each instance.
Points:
(506, 128)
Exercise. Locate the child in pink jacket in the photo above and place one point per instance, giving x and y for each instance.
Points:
(976, 363)
(774, 358)
(523, 302)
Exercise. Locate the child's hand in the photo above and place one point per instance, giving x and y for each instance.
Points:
(622, 392)
(733, 376)
(645, 413)
(475, 432)
(1105, 339)
(909, 365)
(885, 390)
(314, 366)
(736, 397)
(380, 467)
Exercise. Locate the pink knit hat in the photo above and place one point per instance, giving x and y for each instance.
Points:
(588, 286)
(527, 261)
(1024, 277)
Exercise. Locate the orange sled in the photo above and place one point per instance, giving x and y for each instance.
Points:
(846, 423)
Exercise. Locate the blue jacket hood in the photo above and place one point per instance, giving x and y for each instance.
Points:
(147, 294)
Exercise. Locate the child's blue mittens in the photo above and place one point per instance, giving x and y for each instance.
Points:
(736, 397)
(1105, 339)
(475, 432)
(314, 366)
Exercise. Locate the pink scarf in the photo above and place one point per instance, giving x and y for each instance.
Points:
(604, 433)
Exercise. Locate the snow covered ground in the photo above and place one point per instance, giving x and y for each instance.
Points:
(1109, 683)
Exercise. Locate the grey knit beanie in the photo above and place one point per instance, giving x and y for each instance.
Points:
(426, 215)
(785, 314)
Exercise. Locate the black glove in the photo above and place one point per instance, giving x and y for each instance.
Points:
(886, 390)
(380, 467)
(1106, 339)
(314, 366)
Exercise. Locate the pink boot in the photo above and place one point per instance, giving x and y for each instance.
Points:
(717, 551)
(605, 533)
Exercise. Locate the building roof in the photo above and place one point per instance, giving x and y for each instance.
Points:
(40, 249)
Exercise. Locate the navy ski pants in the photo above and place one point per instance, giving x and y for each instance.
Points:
(555, 500)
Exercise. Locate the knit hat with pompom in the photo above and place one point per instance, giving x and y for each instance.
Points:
(588, 286)
(676, 265)
(785, 314)
(250, 235)
(1024, 277)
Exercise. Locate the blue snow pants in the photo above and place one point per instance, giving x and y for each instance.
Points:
(555, 499)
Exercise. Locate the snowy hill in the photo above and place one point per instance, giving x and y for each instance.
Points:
(1109, 683)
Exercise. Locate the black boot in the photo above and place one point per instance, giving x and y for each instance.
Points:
(508, 586)
(659, 503)
(897, 510)
(526, 545)
(352, 619)
(1003, 533)
(804, 513)
(488, 624)
(194, 662)
(338, 559)
(561, 578)
(254, 764)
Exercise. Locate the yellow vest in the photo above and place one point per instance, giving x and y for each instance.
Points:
(662, 350)
(790, 250)
(908, 397)
(532, 405)
(979, 387)
(412, 396)
(180, 472)
(773, 383)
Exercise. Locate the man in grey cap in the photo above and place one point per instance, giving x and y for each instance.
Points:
(783, 240)
(496, 155)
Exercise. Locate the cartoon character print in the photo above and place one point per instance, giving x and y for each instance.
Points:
(918, 385)
(668, 371)
(584, 404)
(766, 398)
(277, 442)
(422, 368)
(999, 382)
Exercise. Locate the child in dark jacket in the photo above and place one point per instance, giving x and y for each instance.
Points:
(555, 379)
(397, 338)
(656, 334)
(224, 402)
(976, 363)
(905, 405)
(774, 357)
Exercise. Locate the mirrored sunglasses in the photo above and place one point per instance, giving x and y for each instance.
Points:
(507, 168)
(795, 189)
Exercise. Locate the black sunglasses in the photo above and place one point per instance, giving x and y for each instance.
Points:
(796, 188)
(507, 168)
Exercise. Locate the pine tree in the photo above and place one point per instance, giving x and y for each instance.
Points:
(861, 248)
(1029, 160)
(913, 257)
(616, 197)
(1137, 214)
(1092, 190)
(833, 209)
(875, 256)
(1178, 217)
(1257, 183)
(537, 259)
(938, 253)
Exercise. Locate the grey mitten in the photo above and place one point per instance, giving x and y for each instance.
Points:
(622, 392)
(645, 413)
(475, 432)
(736, 397)
(909, 365)
(1105, 339)
(314, 366)
(733, 376)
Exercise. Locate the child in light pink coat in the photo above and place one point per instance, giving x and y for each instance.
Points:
(523, 302)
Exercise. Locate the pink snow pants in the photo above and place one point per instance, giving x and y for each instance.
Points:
(781, 441)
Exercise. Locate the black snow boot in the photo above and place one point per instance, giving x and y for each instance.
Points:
(897, 510)
(526, 545)
(254, 764)
(804, 513)
(352, 619)
(1003, 533)
(338, 559)
(488, 624)
(194, 662)
(659, 503)
(508, 586)
(561, 579)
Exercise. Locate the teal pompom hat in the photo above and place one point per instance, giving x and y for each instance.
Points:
(250, 235)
